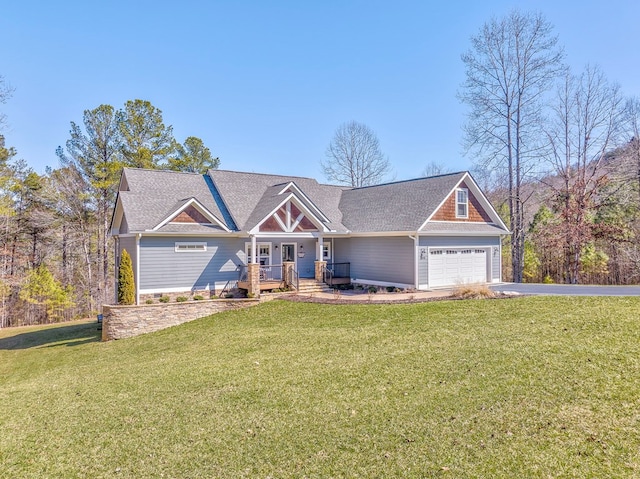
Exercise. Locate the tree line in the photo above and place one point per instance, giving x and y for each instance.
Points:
(56, 261)
(558, 152)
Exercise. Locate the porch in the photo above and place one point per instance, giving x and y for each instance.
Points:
(280, 276)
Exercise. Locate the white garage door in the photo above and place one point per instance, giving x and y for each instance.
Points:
(451, 266)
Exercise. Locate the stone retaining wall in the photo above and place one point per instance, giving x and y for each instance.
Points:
(127, 321)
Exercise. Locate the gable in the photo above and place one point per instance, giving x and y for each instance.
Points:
(476, 213)
(287, 219)
(190, 215)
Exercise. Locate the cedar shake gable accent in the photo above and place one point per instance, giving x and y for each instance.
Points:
(476, 213)
(190, 215)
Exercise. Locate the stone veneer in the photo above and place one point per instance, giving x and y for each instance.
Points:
(121, 322)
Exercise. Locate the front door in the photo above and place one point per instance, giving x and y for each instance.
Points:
(288, 252)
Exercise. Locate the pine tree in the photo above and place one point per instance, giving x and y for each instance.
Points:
(43, 289)
(126, 283)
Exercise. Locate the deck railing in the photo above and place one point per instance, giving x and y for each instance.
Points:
(335, 270)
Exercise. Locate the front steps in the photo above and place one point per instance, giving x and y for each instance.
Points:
(311, 286)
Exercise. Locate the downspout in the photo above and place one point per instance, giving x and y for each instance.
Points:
(415, 260)
(138, 268)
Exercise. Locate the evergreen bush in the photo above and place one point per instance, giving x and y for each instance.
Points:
(126, 283)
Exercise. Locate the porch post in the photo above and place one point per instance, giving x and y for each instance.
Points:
(253, 249)
(253, 276)
(320, 263)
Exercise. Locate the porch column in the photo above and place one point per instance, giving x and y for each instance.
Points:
(320, 263)
(253, 276)
(254, 254)
(319, 267)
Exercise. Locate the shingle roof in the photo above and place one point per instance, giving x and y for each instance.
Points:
(155, 194)
(399, 206)
(243, 193)
(241, 200)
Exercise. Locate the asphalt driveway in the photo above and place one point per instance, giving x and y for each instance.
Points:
(567, 289)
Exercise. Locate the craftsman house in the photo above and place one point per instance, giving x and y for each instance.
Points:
(190, 233)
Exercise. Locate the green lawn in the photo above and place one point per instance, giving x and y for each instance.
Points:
(528, 387)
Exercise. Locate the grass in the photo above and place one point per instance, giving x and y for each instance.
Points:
(526, 387)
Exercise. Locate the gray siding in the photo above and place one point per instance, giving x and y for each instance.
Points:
(129, 243)
(386, 259)
(161, 267)
(458, 242)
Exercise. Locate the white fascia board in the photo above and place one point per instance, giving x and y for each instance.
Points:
(291, 196)
(479, 195)
(485, 202)
(377, 234)
(505, 230)
(200, 207)
(220, 234)
(437, 208)
(291, 184)
(281, 235)
(116, 217)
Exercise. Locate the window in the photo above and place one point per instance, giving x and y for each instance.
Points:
(326, 251)
(190, 247)
(264, 253)
(462, 203)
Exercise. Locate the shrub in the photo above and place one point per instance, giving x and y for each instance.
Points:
(372, 289)
(473, 291)
(230, 295)
(181, 299)
(164, 299)
(126, 284)
(249, 295)
(213, 296)
(149, 301)
(548, 280)
(198, 297)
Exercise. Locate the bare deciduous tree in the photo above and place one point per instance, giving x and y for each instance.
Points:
(632, 151)
(512, 62)
(5, 94)
(434, 168)
(354, 157)
(586, 125)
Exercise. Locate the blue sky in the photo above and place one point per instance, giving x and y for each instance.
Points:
(265, 84)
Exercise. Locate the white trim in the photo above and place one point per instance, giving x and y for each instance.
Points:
(479, 196)
(304, 210)
(381, 283)
(466, 203)
(291, 184)
(416, 255)
(329, 245)
(137, 282)
(218, 285)
(186, 244)
(200, 207)
(255, 251)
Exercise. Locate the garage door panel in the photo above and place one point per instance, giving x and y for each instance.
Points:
(451, 266)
